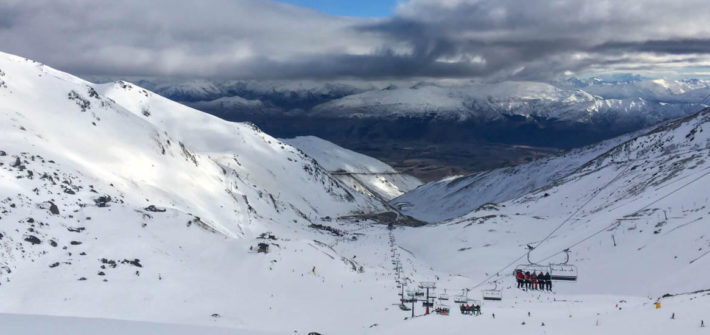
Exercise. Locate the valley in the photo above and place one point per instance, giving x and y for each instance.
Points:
(122, 208)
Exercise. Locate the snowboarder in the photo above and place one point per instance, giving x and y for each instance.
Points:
(702, 324)
(519, 278)
(314, 269)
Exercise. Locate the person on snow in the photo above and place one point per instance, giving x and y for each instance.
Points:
(548, 281)
(533, 280)
(519, 278)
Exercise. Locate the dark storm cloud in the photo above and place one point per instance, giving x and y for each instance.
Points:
(681, 46)
(497, 39)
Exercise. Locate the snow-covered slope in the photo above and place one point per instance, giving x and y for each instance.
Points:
(640, 210)
(635, 219)
(140, 141)
(363, 173)
(650, 102)
(453, 197)
(116, 203)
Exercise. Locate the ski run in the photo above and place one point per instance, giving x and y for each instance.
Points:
(120, 209)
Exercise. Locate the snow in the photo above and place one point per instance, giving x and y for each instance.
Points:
(121, 209)
(43, 324)
(363, 173)
(455, 196)
(228, 103)
(215, 187)
(648, 101)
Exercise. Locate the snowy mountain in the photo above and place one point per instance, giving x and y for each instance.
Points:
(455, 196)
(362, 173)
(111, 193)
(650, 101)
(639, 209)
(635, 220)
(118, 204)
(484, 125)
(645, 101)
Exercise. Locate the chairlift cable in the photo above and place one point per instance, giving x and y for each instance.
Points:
(638, 210)
(497, 273)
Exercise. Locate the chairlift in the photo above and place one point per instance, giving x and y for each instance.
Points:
(443, 296)
(557, 271)
(463, 298)
(411, 293)
(443, 309)
(564, 270)
(493, 294)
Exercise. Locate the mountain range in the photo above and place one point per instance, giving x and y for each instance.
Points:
(117, 203)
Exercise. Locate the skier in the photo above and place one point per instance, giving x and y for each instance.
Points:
(519, 278)
(548, 281)
(533, 280)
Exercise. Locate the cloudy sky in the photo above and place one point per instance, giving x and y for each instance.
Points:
(379, 39)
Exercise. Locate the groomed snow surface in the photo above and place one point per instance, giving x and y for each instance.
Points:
(124, 212)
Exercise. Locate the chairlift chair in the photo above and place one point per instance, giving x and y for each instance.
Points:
(443, 296)
(557, 271)
(531, 267)
(493, 294)
(564, 270)
(443, 309)
(463, 298)
(411, 293)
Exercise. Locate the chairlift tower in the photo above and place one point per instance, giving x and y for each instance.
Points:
(428, 286)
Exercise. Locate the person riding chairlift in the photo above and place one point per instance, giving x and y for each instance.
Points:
(533, 280)
(541, 281)
(519, 278)
(526, 279)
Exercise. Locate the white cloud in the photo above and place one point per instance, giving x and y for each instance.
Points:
(426, 38)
